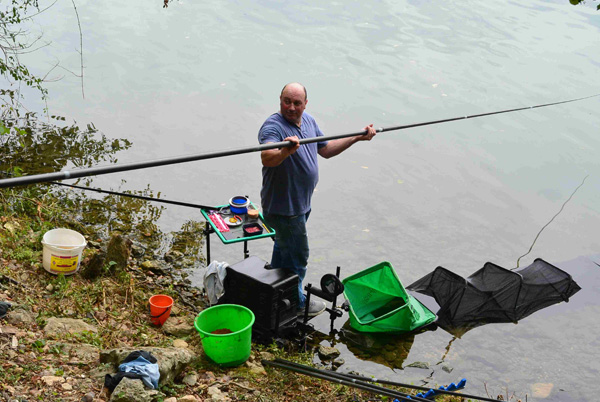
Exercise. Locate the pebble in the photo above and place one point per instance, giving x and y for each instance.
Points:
(190, 379)
(542, 390)
(50, 380)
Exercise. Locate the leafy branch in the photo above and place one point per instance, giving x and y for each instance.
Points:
(577, 2)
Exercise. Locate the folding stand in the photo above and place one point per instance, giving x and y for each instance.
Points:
(235, 233)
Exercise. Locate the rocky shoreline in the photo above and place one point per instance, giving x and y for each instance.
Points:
(62, 335)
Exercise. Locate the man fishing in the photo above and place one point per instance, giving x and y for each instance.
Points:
(290, 175)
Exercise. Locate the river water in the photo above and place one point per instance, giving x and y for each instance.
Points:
(198, 77)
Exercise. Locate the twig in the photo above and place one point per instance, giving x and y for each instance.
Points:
(242, 386)
(486, 390)
(544, 227)
(80, 47)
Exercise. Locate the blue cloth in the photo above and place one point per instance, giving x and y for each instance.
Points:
(148, 372)
(290, 250)
(287, 189)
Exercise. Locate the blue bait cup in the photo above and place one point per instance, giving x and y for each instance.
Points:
(239, 204)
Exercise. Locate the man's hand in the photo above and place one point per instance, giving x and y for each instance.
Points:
(274, 157)
(370, 133)
(294, 147)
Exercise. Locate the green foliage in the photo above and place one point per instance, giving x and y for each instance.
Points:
(14, 41)
(577, 2)
(87, 337)
(33, 146)
(29, 145)
(38, 345)
(171, 389)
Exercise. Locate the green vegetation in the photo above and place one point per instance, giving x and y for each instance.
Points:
(577, 2)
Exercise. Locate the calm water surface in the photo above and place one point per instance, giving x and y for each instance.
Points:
(202, 76)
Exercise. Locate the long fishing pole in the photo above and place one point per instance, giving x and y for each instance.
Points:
(96, 171)
(399, 384)
(365, 380)
(139, 197)
(347, 382)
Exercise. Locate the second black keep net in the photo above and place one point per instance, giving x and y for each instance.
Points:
(494, 294)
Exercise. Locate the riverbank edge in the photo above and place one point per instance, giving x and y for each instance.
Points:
(40, 364)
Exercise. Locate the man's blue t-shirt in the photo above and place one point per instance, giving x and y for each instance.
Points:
(287, 189)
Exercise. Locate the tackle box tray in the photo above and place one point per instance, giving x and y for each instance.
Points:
(236, 233)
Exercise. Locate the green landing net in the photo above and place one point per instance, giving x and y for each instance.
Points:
(379, 302)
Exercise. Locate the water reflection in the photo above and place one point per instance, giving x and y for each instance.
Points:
(390, 350)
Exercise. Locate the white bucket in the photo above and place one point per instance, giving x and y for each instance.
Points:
(62, 251)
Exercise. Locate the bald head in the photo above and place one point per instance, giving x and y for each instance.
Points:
(296, 87)
(293, 102)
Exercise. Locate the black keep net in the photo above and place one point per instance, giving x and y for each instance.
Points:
(494, 294)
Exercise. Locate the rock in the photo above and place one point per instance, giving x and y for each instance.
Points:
(130, 390)
(50, 380)
(12, 226)
(118, 250)
(256, 368)
(178, 326)
(9, 330)
(171, 361)
(98, 373)
(180, 343)
(267, 356)
(337, 363)
(66, 386)
(94, 244)
(542, 390)
(82, 352)
(137, 250)
(328, 352)
(173, 255)
(190, 379)
(93, 267)
(216, 395)
(419, 365)
(447, 368)
(89, 397)
(20, 317)
(151, 265)
(171, 399)
(188, 398)
(56, 327)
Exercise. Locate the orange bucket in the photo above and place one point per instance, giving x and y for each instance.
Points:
(160, 309)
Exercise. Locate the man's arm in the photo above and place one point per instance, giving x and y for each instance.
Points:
(336, 147)
(274, 157)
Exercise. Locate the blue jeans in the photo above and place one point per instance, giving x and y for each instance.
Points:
(290, 250)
